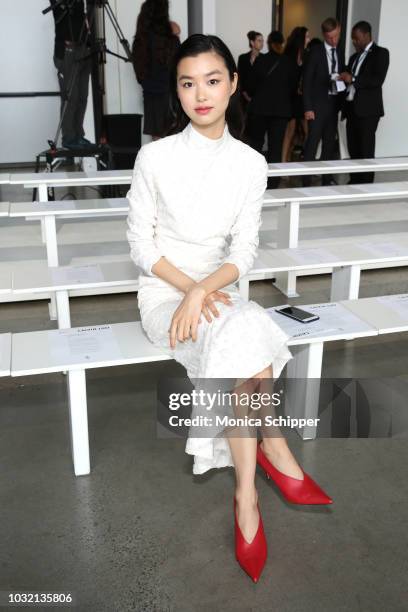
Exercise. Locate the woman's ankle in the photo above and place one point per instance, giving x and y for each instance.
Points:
(246, 495)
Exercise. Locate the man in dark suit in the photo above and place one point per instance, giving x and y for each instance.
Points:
(272, 84)
(363, 107)
(322, 93)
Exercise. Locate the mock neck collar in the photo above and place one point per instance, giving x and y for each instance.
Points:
(196, 140)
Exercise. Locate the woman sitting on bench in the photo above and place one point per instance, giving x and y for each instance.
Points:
(195, 212)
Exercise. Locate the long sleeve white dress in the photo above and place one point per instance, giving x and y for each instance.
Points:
(197, 201)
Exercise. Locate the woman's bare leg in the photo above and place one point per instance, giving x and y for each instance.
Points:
(243, 451)
(273, 443)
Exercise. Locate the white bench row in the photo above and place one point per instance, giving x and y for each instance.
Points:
(78, 349)
(288, 202)
(122, 177)
(344, 260)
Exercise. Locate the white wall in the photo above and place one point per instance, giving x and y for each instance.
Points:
(234, 18)
(26, 65)
(392, 135)
(308, 13)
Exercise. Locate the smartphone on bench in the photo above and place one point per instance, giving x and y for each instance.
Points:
(298, 314)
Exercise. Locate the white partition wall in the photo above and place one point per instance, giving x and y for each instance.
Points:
(234, 18)
(26, 66)
(392, 135)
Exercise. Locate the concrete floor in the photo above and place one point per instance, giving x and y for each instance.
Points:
(142, 533)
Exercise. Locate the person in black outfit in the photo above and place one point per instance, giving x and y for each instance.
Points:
(155, 42)
(295, 49)
(246, 62)
(273, 82)
(322, 95)
(74, 68)
(363, 107)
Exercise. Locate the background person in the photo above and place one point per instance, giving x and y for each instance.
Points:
(276, 42)
(295, 49)
(363, 107)
(74, 68)
(154, 45)
(273, 83)
(245, 64)
(322, 98)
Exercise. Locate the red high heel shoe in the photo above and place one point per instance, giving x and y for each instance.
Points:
(305, 491)
(251, 557)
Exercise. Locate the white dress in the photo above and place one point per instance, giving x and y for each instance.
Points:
(197, 201)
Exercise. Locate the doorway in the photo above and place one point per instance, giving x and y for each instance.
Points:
(287, 14)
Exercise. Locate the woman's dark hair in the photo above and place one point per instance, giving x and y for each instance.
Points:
(191, 47)
(153, 22)
(295, 44)
(314, 42)
(252, 36)
(275, 38)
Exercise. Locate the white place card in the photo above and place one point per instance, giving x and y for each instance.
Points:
(84, 344)
(334, 318)
(312, 256)
(80, 274)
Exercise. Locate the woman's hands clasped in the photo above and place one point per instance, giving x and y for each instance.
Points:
(187, 316)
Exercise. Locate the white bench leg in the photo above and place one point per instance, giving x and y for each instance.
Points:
(51, 240)
(52, 254)
(288, 238)
(243, 286)
(43, 197)
(302, 395)
(78, 419)
(63, 312)
(345, 283)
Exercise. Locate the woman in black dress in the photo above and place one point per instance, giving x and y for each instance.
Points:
(295, 49)
(154, 45)
(245, 65)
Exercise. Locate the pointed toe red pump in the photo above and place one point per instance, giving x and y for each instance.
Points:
(295, 491)
(251, 556)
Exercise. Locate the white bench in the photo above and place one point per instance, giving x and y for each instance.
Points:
(290, 200)
(51, 211)
(344, 259)
(79, 349)
(339, 166)
(5, 283)
(61, 280)
(5, 354)
(287, 201)
(4, 209)
(44, 180)
(4, 178)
